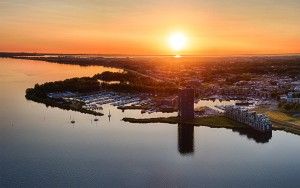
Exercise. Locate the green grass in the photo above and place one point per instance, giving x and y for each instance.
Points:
(213, 122)
(284, 121)
(279, 116)
(282, 117)
(280, 122)
(217, 122)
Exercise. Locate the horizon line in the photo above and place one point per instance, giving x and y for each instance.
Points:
(157, 55)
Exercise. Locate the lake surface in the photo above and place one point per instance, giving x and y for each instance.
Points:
(40, 148)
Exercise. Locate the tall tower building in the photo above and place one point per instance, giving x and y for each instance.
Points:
(186, 104)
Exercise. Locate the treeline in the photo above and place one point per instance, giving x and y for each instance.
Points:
(281, 66)
(133, 88)
(119, 62)
(133, 78)
(84, 84)
(131, 81)
(288, 65)
(127, 76)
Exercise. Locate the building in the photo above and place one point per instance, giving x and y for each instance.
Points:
(186, 104)
(256, 121)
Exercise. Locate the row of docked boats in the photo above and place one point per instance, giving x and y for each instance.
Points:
(96, 100)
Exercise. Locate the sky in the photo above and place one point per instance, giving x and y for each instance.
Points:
(142, 27)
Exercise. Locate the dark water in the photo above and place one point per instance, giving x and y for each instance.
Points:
(40, 148)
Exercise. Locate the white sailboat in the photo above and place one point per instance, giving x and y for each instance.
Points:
(72, 121)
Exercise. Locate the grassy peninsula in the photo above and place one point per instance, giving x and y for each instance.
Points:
(283, 120)
(212, 121)
(216, 122)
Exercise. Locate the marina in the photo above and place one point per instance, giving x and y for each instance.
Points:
(95, 101)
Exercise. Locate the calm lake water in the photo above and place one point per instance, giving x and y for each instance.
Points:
(40, 148)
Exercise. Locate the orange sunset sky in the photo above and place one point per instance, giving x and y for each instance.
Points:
(142, 27)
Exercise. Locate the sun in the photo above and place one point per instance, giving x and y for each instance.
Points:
(177, 41)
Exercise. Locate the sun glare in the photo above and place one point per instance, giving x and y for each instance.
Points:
(177, 41)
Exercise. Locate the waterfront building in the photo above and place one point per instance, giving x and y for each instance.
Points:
(186, 104)
(256, 121)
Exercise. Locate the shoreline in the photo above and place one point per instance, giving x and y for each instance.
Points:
(58, 104)
(212, 122)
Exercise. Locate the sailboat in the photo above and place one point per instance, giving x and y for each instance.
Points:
(109, 115)
(72, 121)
